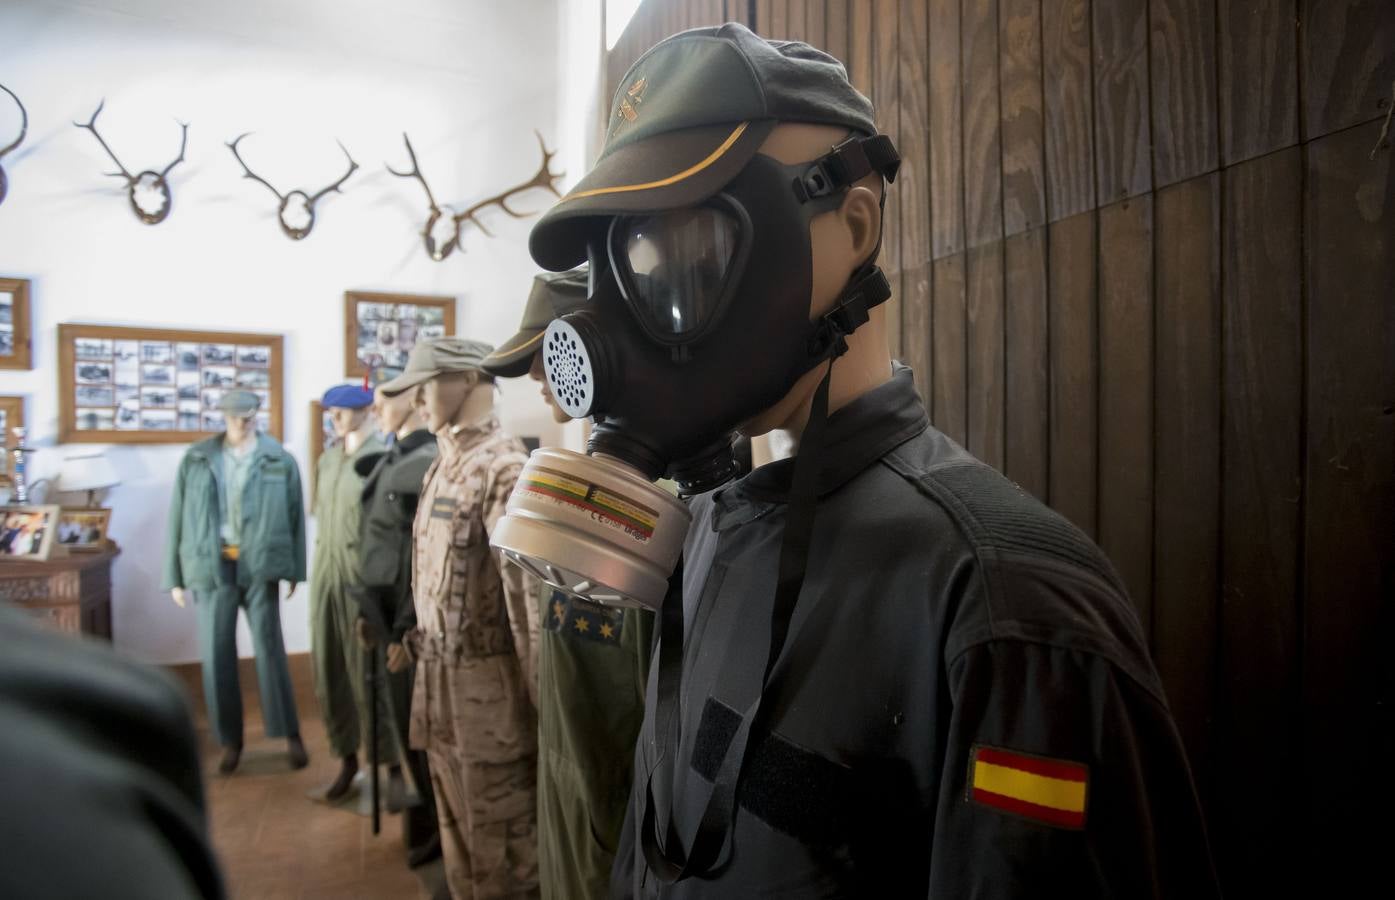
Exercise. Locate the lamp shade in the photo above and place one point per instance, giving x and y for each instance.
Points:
(89, 472)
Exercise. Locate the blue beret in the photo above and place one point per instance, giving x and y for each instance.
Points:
(347, 396)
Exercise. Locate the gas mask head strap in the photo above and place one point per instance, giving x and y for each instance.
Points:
(824, 180)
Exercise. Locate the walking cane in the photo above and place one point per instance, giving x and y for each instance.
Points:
(373, 731)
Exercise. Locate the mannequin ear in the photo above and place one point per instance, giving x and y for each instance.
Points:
(862, 215)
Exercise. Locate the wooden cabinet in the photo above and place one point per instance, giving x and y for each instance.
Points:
(73, 593)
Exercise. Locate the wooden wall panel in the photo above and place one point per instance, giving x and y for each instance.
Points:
(912, 189)
(1348, 58)
(1070, 109)
(738, 11)
(779, 27)
(1024, 165)
(886, 101)
(949, 384)
(946, 130)
(1187, 459)
(836, 24)
(1262, 489)
(1257, 48)
(1122, 132)
(1027, 402)
(796, 19)
(763, 17)
(1071, 280)
(1126, 395)
(815, 23)
(1182, 50)
(1349, 518)
(860, 47)
(984, 341)
(983, 159)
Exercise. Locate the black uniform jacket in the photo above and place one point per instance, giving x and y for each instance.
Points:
(391, 488)
(965, 705)
(100, 771)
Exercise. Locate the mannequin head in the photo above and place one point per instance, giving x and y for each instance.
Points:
(455, 398)
(841, 240)
(397, 414)
(240, 429)
(346, 421)
(536, 373)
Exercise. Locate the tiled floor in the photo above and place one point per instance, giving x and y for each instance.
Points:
(274, 843)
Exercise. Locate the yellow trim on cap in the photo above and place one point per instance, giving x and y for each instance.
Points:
(672, 179)
(523, 346)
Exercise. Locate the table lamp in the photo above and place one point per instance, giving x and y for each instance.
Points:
(91, 472)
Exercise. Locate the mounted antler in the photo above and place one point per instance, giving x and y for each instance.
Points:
(148, 180)
(23, 130)
(545, 178)
(436, 252)
(306, 201)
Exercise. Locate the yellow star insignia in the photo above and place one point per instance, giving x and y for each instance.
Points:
(607, 630)
(558, 609)
(582, 624)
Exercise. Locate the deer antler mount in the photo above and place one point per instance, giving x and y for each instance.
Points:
(23, 130)
(149, 192)
(297, 210)
(439, 249)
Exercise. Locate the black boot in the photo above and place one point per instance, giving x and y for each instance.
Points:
(347, 771)
(231, 755)
(396, 790)
(296, 751)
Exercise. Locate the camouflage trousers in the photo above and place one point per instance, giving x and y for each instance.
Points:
(485, 860)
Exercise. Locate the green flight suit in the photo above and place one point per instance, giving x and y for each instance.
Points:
(592, 670)
(340, 663)
(271, 549)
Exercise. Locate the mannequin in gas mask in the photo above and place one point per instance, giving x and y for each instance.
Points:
(475, 642)
(338, 658)
(882, 670)
(593, 662)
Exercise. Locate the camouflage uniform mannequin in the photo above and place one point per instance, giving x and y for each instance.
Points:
(475, 644)
(593, 663)
(338, 658)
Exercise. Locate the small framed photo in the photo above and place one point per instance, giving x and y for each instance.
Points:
(82, 530)
(382, 329)
(27, 532)
(11, 417)
(15, 338)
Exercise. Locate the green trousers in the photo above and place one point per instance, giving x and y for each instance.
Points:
(217, 624)
(340, 668)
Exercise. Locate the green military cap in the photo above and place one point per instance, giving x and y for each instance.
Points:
(240, 404)
(438, 356)
(554, 295)
(689, 116)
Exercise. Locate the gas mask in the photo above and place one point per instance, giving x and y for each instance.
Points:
(697, 320)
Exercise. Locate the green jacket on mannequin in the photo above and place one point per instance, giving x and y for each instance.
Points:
(272, 541)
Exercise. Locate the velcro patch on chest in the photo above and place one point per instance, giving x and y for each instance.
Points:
(576, 618)
(443, 508)
(1050, 791)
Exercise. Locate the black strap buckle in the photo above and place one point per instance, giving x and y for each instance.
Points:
(846, 164)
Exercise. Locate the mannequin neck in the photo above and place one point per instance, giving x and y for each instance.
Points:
(412, 423)
(246, 441)
(478, 404)
(354, 439)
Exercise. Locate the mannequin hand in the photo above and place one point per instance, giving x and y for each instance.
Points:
(364, 632)
(397, 660)
(178, 595)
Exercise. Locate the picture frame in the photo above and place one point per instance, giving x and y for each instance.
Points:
(321, 439)
(384, 327)
(119, 385)
(27, 532)
(82, 529)
(11, 417)
(16, 338)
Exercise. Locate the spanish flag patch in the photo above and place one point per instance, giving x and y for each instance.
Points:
(1050, 791)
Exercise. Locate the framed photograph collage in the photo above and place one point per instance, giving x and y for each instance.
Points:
(14, 323)
(381, 329)
(160, 386)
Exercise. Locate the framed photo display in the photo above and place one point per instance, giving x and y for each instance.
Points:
(382, 329)
(161, 386)
(14, 323)
(83, 529)
(11, 417)
(26, 532)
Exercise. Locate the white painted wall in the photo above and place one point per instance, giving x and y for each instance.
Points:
(469, 80)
